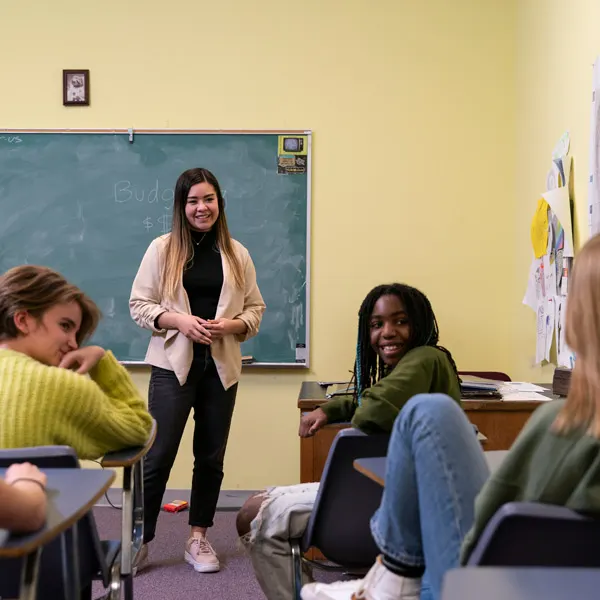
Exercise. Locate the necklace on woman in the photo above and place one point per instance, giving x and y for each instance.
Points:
(199, 242)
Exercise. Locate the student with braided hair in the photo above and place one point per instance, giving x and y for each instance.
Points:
(397, 357)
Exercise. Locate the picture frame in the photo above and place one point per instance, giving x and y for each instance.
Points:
(76, 87)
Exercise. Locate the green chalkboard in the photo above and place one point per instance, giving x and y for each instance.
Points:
(89, 204)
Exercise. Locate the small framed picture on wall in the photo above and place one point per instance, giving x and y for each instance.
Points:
(76, 87)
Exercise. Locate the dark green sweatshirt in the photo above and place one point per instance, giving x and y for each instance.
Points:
(422, 370)
(541, 467)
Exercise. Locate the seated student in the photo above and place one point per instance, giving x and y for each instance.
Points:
(46, 396)
(429, 520)
(22, 498)
(397, 357)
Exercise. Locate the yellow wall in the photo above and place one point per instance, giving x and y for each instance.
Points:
(412, 105)
(557, 44)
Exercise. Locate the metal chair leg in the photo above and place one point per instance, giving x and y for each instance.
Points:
(138, 507)
(69, 549)
(29, 576)
(127, 534)
(296, 568)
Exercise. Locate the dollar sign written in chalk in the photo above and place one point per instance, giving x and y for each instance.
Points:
(148, 223)
(165, 221)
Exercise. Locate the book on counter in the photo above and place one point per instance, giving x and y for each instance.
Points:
(476, 388)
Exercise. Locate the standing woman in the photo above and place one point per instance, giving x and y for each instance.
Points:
(196, 290)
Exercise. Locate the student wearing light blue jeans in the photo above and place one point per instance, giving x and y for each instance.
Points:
(439, 495)
(435, 469)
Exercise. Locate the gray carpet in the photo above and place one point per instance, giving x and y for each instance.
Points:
(168, 577)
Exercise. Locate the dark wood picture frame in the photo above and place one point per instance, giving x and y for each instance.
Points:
(79, 95)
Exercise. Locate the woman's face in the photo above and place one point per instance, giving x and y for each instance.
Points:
(49, 338)
(390, 330)
(202, 207)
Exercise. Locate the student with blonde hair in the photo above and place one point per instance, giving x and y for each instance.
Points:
(53, 390)
(437, 502)
(196, 291)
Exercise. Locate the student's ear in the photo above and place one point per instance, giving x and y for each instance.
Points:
(22, 321)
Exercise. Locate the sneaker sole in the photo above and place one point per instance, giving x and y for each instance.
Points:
(201, 568)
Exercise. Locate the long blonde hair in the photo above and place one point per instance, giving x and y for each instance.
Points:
(179, 249)
(582, 333)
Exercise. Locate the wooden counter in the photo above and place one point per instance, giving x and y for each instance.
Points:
(500, 421)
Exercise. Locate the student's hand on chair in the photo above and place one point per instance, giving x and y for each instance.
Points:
(312, 422)
(82, 360)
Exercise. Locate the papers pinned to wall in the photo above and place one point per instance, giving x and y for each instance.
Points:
(553, 250)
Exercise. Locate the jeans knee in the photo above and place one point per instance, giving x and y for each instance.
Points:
(248, 513)
(429, 407)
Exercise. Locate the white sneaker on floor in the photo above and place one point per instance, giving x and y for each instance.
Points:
(378, 584)
(201, 555)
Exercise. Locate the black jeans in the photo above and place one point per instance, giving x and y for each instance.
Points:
(170, 404)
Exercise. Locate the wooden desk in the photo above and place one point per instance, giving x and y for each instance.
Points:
(373, 468)
(498, 420)
(71, 494)
(500, 583)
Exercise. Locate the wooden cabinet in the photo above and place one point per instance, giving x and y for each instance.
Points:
(499, 421)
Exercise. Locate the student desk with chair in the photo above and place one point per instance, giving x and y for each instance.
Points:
(503, 581)
(499, 420)
(72, 493)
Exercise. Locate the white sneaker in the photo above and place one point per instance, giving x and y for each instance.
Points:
(201, 555)
(378, 584)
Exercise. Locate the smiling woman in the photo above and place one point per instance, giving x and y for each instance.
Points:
(196, 290)
(397, 357)
(46, 397)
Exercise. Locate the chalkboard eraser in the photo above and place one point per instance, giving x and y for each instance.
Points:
(246, 360)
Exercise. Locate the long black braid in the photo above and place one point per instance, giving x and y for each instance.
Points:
(424, 331)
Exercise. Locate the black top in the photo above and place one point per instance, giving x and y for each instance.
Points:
(203, 277)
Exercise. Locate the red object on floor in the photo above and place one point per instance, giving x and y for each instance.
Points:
(176, 506)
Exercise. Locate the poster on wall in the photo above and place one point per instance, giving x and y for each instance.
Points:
(553, 250)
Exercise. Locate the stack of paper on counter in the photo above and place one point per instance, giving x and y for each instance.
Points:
(517, 391)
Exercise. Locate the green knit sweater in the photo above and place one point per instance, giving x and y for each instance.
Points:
(422, 370)
(41, 405)
(541, 467)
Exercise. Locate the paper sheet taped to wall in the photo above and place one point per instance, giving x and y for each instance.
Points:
(560, 204)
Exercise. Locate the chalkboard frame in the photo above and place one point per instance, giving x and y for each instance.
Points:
(132, 132)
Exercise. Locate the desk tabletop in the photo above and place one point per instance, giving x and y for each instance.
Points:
(373, 468)
(312, 394)
(500, 583)
(71, 494)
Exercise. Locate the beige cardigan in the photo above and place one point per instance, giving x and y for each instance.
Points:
(170, 349)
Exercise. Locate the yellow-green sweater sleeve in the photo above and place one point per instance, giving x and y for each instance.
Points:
(94, 415)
